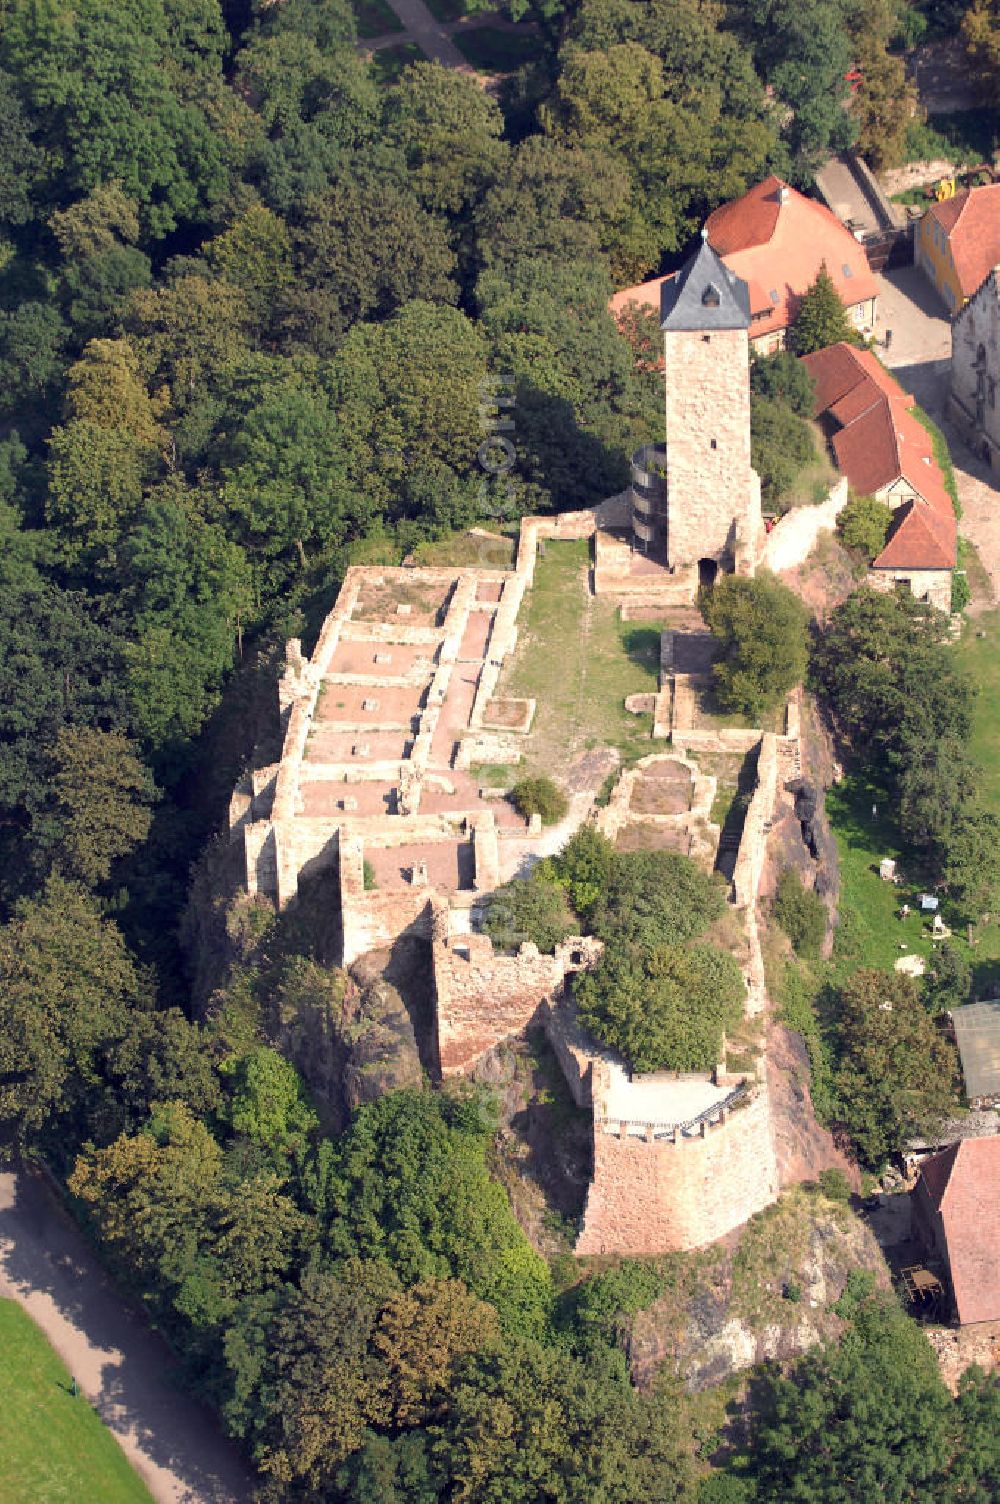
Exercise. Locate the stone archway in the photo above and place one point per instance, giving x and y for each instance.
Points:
(708, 569)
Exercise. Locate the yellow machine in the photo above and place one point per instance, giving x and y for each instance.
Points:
(945, 189)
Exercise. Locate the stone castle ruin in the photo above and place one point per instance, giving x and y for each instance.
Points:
(384, 725)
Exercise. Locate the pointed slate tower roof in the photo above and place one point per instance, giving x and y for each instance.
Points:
(705, 294)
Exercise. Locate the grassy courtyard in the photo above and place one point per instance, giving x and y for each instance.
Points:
(53, 1447)
(579, 661)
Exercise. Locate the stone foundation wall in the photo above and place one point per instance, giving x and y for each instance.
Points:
(760, 811)
(665, 1196)
(933, 585)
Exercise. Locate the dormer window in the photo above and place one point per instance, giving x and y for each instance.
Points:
(846, 270)
(711, 297)
(773, 295)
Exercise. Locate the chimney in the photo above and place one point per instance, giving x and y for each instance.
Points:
(783, 193)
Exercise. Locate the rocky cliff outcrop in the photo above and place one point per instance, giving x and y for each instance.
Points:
(769, 1295)
(381, 1046)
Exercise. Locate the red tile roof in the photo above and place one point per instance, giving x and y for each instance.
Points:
(964, 1186)
(919, 539)
(877, 442)
(971, 221)
(777, 246)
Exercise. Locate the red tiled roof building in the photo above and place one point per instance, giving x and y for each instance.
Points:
(957, 1207)
(775, 240)
(884, 451)
(957, 243)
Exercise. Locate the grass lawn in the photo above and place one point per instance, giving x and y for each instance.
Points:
(870, 930)
(493, 50)
(54, 1448)
(579, 661)
(980, 657)
(467, 551)
(375, 18)
(389, 62)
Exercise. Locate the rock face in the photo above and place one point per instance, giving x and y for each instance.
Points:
(381, 1047)
(768, 1296)
(350, 1037)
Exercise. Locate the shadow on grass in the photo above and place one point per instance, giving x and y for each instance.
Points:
(642, 645)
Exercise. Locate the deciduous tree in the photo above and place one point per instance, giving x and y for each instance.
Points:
(665, 1007)
(67, 984)
(761, 628)
(897, 1075)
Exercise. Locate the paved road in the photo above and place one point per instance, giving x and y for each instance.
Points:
(920, 358)
(422, 27)
(121, 1367)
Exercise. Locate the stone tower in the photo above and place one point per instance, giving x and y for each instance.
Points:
(696, 503)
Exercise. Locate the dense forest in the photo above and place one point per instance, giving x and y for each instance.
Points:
(250, 301)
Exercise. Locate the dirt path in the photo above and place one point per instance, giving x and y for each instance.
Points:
(122, 1368)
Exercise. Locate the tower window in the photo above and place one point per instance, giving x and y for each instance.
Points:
(706, 339)
(715, 444)
(710, 297)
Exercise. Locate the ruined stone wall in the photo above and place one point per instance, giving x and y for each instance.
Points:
(668, 1195)
(794, 536)
(483, 998)
(578, 1054)
(713, 494)
(753, 841)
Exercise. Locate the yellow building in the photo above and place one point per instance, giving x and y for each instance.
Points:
(958, 241)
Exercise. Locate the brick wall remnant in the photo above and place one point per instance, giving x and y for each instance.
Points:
(483, 997)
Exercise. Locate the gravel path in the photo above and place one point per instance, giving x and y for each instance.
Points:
(122, 1368)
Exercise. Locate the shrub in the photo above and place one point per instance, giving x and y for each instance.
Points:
(801, 913)
(584, 867)
(761, 627)
(539, 796)
(657, 898)
(369, 876)
(781, 446)
(960, 593)
(531, 908)
(834, 1185)
(864, 525)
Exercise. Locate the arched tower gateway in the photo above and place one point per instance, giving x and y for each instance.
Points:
(696, 502)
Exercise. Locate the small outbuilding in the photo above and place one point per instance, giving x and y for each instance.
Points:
(977, 1034)
(956, 1210)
